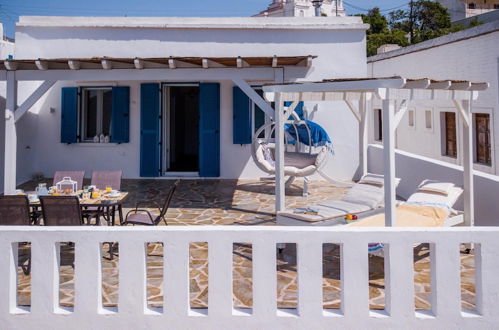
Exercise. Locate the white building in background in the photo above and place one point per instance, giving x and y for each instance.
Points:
(302, 8)
(461, 9)
(430, 131)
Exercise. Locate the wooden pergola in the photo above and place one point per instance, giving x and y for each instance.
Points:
(395, 93)
(240, 69)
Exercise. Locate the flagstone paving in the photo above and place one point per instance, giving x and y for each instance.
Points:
(243, 202)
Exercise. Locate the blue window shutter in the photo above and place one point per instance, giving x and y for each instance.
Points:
(241, 123)
(209, 130)
(149, 129)
(69, 115)
(120, 119)
(298, 109)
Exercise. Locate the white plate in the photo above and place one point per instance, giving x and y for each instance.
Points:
(114, 195)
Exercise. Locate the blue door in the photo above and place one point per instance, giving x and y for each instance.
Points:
(150, 112)
(209, 130)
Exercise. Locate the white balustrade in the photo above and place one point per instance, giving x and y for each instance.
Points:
(132, 311)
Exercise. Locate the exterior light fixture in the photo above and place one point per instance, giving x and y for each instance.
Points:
(317, 4)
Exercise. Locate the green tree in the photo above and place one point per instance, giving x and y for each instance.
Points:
(377, 22)
(375, 40)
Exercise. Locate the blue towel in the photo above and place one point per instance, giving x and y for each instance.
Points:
(318, 135)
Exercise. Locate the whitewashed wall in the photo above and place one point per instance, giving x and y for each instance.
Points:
(133, 313)
(475, 58)
(47, 155)
(6, 49)
(413, 169)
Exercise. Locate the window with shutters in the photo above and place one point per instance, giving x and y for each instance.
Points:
(428, 116)
(258, 115)
(411, 119)
(450, 134)
(482, 139)
(96, 113)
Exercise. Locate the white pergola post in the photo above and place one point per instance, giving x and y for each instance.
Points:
(389, 161)
(10, 161)
(469, 203)
(280, 192)
(363, 137)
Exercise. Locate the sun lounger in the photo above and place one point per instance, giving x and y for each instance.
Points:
(422, 209)
(363, 198)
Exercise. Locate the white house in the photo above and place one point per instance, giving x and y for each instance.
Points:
(302, 8)
(430, 130)
(146, 67)
(461, 9)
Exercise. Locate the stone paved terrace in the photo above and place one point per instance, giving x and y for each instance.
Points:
(243, 202)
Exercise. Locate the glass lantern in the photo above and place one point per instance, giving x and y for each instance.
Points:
(67, 186)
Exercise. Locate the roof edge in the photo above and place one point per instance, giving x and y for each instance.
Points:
(297, 23)
(440, 41)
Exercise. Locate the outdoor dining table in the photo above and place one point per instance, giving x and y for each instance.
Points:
(104, 201)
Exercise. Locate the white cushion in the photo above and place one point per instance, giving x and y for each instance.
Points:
(432, 198)
(365, 194)
(443, 188)
(376, 179)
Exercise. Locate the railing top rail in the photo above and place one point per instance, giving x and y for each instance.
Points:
(249, 229)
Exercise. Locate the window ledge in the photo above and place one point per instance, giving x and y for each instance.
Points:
(94, 144)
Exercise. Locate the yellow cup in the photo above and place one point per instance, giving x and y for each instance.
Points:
(109, 189)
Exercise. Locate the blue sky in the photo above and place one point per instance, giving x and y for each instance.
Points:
(10, 10)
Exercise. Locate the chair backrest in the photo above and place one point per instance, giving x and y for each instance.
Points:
(103, 179)
(74, 175)
(14, 211)
(61, 211)
(168, 199)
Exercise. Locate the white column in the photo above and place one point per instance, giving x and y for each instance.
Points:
(389, 161)
(469, 209)
(10, 135)
(280, 192)
(363, 141)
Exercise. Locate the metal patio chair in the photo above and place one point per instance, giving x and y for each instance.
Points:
(61, 211)
(101, 180)
(15, 211)
(144, 217)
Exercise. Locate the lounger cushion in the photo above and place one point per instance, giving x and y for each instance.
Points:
(365, 194)
(376, 179)
(443, 188)
(431, 198)
(326, 210)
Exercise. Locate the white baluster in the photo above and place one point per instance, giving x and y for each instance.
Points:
(399, 280)
(264, 280)
(176, 278)
(133, 279)
(310, 279)
(487, 284)
(445, 279)
(88, 277)
(8, 284)
(220, 278)
(354, 279)
(44, 276)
